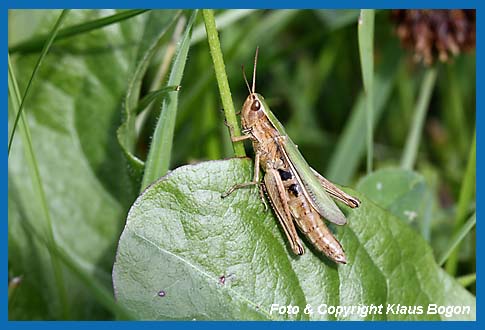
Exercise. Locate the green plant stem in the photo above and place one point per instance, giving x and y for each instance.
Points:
(466, 194)
(223, 20)
(457, 239)
(36, 43)
(46, 48)
(412, 143)
(366, 51)
(14, 93)
(221, 76)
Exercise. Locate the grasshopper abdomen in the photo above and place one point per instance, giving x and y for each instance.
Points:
(309, 220)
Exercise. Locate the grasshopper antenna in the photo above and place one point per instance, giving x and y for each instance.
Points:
(245, 79)
(254, 69)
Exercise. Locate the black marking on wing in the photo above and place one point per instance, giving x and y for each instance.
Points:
(294, 189)
(285, 175)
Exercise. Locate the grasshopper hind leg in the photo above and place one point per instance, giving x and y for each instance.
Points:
(279, 201)
(262, 193)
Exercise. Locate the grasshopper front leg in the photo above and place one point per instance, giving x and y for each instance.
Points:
(256, 162)
(246, 184)
(251, 183)
(246, 133)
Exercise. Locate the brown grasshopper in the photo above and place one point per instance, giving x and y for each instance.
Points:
(296, 191)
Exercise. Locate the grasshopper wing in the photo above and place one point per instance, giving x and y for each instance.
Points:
(279, 200)
(313, 188)
(335, 192)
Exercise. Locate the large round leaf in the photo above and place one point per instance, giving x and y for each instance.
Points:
(185, 253)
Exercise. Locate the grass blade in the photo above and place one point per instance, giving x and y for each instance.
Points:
(457, 239)
(350, 146)
(155, 30)
(152, 96)
(159, 78)
(455, 110)
(219, 68)
(14, 94)
(467, 280)
(412, 142)
(46, 48)
(158, 160)
(366, 51)
(35, 44)
(466, 195)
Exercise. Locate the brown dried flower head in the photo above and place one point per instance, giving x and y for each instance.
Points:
(436, 33)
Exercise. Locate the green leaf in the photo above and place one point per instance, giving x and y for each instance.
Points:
(42, 55)
(186, 254)
(404, 193)
(37, 42)
(48, 234)
(72, 116)
(159, 155)
(154, 30)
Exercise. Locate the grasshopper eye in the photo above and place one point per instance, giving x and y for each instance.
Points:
(256, 105)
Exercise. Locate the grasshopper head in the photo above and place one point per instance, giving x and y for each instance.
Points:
(252, 110)
(254, 107)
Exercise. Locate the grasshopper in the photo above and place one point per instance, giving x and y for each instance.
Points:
(296, 191)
